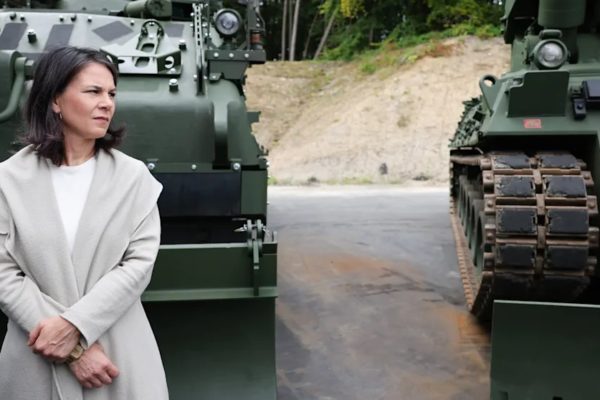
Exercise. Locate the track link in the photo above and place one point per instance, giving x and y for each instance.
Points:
(526, 228)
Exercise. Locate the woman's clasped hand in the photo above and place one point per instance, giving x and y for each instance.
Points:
(55, 338)
(94, 369)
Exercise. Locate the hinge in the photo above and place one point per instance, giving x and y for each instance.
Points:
(255, 234)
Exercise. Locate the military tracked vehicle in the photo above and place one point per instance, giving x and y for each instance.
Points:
(524, 161)
(211, 301)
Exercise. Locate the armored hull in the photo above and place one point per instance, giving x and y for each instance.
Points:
(211, 301)
(524, 160)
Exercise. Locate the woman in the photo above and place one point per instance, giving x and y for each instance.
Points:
(79, 233)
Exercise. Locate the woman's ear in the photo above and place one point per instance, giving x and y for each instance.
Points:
(55, 106)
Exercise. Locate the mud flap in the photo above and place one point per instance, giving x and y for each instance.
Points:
(216, 335)
(545, 351)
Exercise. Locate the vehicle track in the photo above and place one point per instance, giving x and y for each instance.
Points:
(526, 228)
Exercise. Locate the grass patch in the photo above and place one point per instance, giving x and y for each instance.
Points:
(350, 180)
(400, 49)
(368, 68)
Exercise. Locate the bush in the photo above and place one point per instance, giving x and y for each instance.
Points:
(474, 13)
(350, 41)
(368, 68)
(444, 18)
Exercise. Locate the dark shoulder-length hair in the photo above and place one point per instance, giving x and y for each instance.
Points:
(53, 73)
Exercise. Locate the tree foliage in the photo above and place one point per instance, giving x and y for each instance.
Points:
(351, 8)
(359, 25)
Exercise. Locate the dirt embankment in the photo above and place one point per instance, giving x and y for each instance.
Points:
(329, 122)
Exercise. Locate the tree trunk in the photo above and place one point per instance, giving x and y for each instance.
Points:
(294, 32)
(284, 29)
(325, 34)
(290, 22)
(310, 31)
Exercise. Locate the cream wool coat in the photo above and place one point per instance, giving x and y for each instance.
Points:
(97, 287)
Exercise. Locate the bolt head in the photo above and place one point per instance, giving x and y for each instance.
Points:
(31, 36)
(173, 85)
(151, 166)
(236, 166)
(194, 167)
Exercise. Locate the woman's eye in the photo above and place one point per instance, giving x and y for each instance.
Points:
(112, 95)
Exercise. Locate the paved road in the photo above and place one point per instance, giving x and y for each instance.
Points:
(370, 302)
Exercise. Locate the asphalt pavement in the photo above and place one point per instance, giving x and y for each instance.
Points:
(371, 305)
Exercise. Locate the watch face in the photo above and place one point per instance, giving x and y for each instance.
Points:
(75, 354)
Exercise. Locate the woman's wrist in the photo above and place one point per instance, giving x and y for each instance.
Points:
(75, 354)
(72, 328)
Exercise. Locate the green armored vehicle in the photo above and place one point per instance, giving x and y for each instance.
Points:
(524, 159)
(524, 209)
(211, 301)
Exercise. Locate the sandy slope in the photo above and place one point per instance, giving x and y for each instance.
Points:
(329, 122)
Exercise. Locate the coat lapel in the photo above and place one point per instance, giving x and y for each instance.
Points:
(52, 218)
(93, 219)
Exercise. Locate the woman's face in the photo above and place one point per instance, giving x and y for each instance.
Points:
(88, 103)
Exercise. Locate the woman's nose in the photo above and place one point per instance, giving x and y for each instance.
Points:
(106, 102)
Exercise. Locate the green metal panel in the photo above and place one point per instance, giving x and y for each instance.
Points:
(213, 271)
(545, 351)
(217, 350)
(216, 338)
(561, 13)
(548, 88)
(254, 192)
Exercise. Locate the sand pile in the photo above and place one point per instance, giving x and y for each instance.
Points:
(332, 123)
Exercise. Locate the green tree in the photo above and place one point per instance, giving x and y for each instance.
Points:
(340, 29)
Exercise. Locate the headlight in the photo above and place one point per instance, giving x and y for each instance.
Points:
(550, 54)
(228, 22)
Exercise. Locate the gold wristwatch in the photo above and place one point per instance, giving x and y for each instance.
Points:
(75, 354)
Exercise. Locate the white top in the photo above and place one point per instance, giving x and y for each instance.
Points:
(71, 187)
